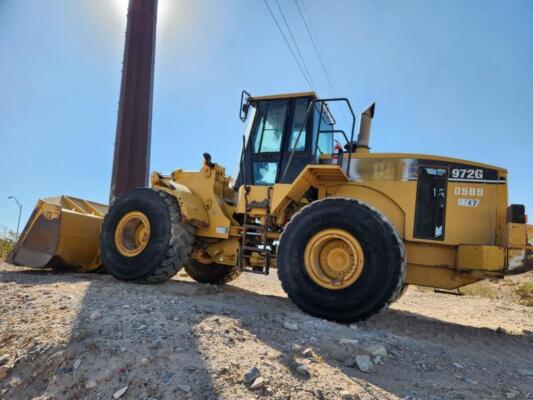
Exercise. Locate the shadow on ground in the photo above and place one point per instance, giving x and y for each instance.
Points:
(152, 339)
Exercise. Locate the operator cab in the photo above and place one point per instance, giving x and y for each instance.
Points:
(284, 134)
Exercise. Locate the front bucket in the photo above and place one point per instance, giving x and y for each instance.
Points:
(61, 232)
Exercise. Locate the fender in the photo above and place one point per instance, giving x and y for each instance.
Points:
(376, 199)
(191, 207)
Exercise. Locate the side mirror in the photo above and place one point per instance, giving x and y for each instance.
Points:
(245, 105)
(207, 160)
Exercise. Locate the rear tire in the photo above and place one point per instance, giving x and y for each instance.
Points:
(215, 274)
(383, 274)
(169, 244)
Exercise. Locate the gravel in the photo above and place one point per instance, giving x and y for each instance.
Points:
(184, 340)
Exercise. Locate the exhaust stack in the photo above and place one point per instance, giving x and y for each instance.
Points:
(363, 140)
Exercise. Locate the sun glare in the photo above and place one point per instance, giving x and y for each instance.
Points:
(164, 10)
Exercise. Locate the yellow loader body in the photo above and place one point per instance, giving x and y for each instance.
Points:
(346, 228)
(64, 231)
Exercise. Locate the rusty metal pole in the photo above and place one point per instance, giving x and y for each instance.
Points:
(131, 161)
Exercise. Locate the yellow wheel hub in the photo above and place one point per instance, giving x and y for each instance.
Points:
(132, 234)
(334, 259)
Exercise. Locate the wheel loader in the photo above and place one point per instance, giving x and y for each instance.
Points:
(347, 229)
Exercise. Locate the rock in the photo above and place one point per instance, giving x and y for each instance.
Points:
(318, 394)
(458, 366)
(3, 359)
(64, 370)
(145, 361)
(350, 362)
(363, 363)
(95, 315)
(303, 370)
(59, 355)
(526, 372)
(119, 393)
(512, 393)
(352, 342)
(108, 375)
(70, 354)
(377, 350)
(290, 326)
(90, 384)
(353, 326)
(251, 375)
(185, 388)
(308, 353)
(296, 347)
(345, 395)
(15, 382)
(258, 383)
(4, 371)
(77, 363)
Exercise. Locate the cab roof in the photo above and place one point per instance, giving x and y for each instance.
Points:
(285, 96)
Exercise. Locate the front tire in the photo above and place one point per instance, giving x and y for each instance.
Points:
(215, 274)
(143, 237)
(341, 260)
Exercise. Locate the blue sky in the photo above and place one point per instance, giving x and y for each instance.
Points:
(451, 78)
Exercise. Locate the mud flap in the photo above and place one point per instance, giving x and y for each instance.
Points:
(62, 232)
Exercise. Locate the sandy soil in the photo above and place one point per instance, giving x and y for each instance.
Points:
(86, 336)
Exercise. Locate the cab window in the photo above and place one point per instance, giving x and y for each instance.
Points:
(322, 139)
(325, 143)
(430, 203)
(268, 130)
(265, 173)
(300, 109)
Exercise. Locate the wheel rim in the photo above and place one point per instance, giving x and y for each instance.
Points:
(334, 259)
(132, 234)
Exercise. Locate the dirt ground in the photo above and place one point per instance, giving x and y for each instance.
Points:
(87, 336)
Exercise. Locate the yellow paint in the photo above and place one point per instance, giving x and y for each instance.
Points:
(284, 96)
(379, 195)
(61, 229)
(132, 234)
(437, 277)
(334, 259)
(220, 252)
(478, 242)
(516, 235)
(485, 258)
(191, 207)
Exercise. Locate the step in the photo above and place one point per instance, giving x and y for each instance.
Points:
(253, 226)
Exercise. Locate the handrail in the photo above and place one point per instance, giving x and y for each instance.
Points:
(309, 108)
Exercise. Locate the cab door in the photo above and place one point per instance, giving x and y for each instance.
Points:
(297, 146)
(267, 141)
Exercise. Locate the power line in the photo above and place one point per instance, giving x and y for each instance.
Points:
(288, 45)
(296, 45)
(312, 35)
(315, 46)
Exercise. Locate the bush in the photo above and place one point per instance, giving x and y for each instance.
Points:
(7, 241)
(481, 289)
(525, 292)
